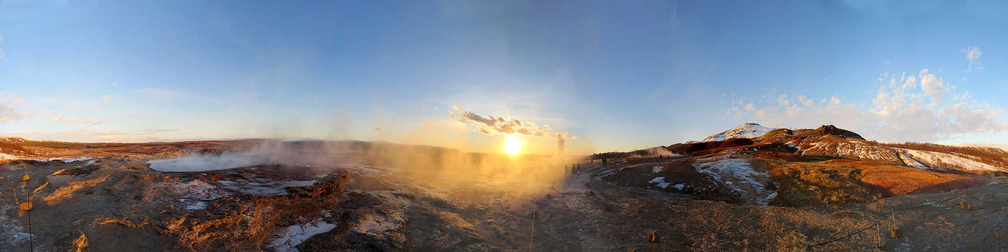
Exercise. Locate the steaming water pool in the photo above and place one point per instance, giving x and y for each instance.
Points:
(207, 163)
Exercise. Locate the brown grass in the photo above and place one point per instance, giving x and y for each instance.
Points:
(246, 221)
(67, 191)
(811, 184)
(81, 243)
(13, 148)
(123, 221)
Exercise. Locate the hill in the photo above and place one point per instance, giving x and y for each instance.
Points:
(747, 130)
(825, 165)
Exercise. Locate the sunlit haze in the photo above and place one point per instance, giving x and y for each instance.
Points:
(512, 145)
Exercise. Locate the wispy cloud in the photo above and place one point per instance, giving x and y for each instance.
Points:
(10, 108)
(1, 46)
(158, 131)
(494, 125)
(87, 135)
(107, 98)
(972, 54)
(77, 120)
(919, 107)
(157, 94)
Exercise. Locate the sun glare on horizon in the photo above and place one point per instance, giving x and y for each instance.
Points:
(512, 145)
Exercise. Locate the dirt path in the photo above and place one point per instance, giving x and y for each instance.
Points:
(576, 182)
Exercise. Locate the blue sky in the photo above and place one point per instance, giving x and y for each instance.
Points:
(615, 75)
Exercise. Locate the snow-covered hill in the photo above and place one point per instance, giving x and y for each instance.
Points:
(748, 130)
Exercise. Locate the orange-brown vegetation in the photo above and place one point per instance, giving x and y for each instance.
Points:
(245, 222)
(67, 191)
(894, 180)
(814, 183)
(12, 147)
(846, 181)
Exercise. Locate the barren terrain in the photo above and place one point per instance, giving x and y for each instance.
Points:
(734, 195)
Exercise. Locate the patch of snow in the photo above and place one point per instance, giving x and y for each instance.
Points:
(903, 246)
(679, 186)
(390, 218)
(660, 181)
(656, 169)
(199, 205)
(606, 173)
(942, 160)
(297, 183)
(91, 160)
(20, 237)
(11, 231)
(738, 175)
(263, 191)
(748, 130)
(378, 225)
(196, 190)
(910, 161)
(63, 159)
(766, 200)
(291, 236)
(853, 149)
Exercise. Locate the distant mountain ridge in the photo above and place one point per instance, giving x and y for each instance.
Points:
(747, 130)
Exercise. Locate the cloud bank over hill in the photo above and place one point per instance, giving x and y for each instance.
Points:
(907, 107)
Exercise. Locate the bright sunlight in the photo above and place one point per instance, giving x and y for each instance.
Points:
(512, 145)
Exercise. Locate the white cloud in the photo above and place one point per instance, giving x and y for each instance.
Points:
(10, 108)
(973, 54)
(107, 98)
(905, 108)
(1, 47)
(494, 125)
(77, 120)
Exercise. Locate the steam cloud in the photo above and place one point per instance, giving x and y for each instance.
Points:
(561, 144)
(491, 125)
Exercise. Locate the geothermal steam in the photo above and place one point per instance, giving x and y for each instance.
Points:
(431, 167)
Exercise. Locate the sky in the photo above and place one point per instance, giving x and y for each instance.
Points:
(604, 75)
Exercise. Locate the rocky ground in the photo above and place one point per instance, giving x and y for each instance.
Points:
(118, 203)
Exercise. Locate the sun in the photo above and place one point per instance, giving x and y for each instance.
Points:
(512, 145)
